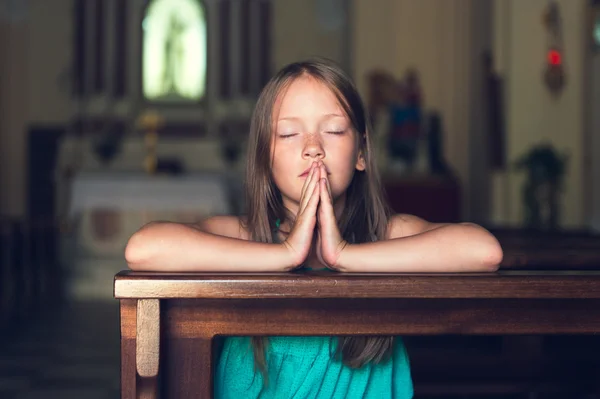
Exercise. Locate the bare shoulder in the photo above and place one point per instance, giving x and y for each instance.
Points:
(405, 225)
(227, 226)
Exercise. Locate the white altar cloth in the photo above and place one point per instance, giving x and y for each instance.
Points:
(206, 193)
(105, 209)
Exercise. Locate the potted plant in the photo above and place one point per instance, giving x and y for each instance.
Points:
(545, 169)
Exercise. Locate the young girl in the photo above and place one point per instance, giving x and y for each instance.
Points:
(313, 201)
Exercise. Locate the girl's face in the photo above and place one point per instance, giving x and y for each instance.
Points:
(310, 125)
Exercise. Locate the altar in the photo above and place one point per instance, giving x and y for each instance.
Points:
(105, 209)
(157, 134)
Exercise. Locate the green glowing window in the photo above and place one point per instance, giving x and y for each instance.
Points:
(174, 51)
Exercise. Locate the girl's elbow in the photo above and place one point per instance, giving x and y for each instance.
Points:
(135, 267)
(492, 258)
(136, 252)
(132, 257)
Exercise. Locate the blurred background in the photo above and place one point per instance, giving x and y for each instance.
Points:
(114, 113)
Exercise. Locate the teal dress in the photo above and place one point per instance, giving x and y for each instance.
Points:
(305, 368)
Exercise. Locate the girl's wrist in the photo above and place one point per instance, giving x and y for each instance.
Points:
(344, 261)
(290, 258)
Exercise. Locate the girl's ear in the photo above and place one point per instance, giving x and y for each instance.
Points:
(361, 164)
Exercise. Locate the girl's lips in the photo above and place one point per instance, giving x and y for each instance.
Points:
(307, 171)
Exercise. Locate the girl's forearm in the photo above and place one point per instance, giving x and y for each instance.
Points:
(172, 247)
(452, 248)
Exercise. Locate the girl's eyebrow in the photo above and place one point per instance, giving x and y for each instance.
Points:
(326, 116)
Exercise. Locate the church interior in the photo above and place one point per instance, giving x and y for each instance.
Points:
(115, 113)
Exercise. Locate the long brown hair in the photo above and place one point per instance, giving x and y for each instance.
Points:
(366, 215)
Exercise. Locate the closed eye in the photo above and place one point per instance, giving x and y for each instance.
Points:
(285, 136)
(337, 132)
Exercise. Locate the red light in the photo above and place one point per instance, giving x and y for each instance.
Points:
(554, 57)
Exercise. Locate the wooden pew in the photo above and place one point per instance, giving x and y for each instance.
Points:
(169, 322)
(7, 275)
(549, 250)
(30, 276)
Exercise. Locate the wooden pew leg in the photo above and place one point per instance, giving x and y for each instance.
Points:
(147, 388)
(175, 366)
(147, 351)
(188, 370)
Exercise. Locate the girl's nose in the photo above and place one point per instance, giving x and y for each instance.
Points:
(313, 149)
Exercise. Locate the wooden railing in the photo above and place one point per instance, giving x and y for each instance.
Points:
(169, 322)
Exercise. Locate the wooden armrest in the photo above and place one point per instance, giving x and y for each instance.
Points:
(503, 284)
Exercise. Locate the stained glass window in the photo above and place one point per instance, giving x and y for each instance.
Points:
(174, 51)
